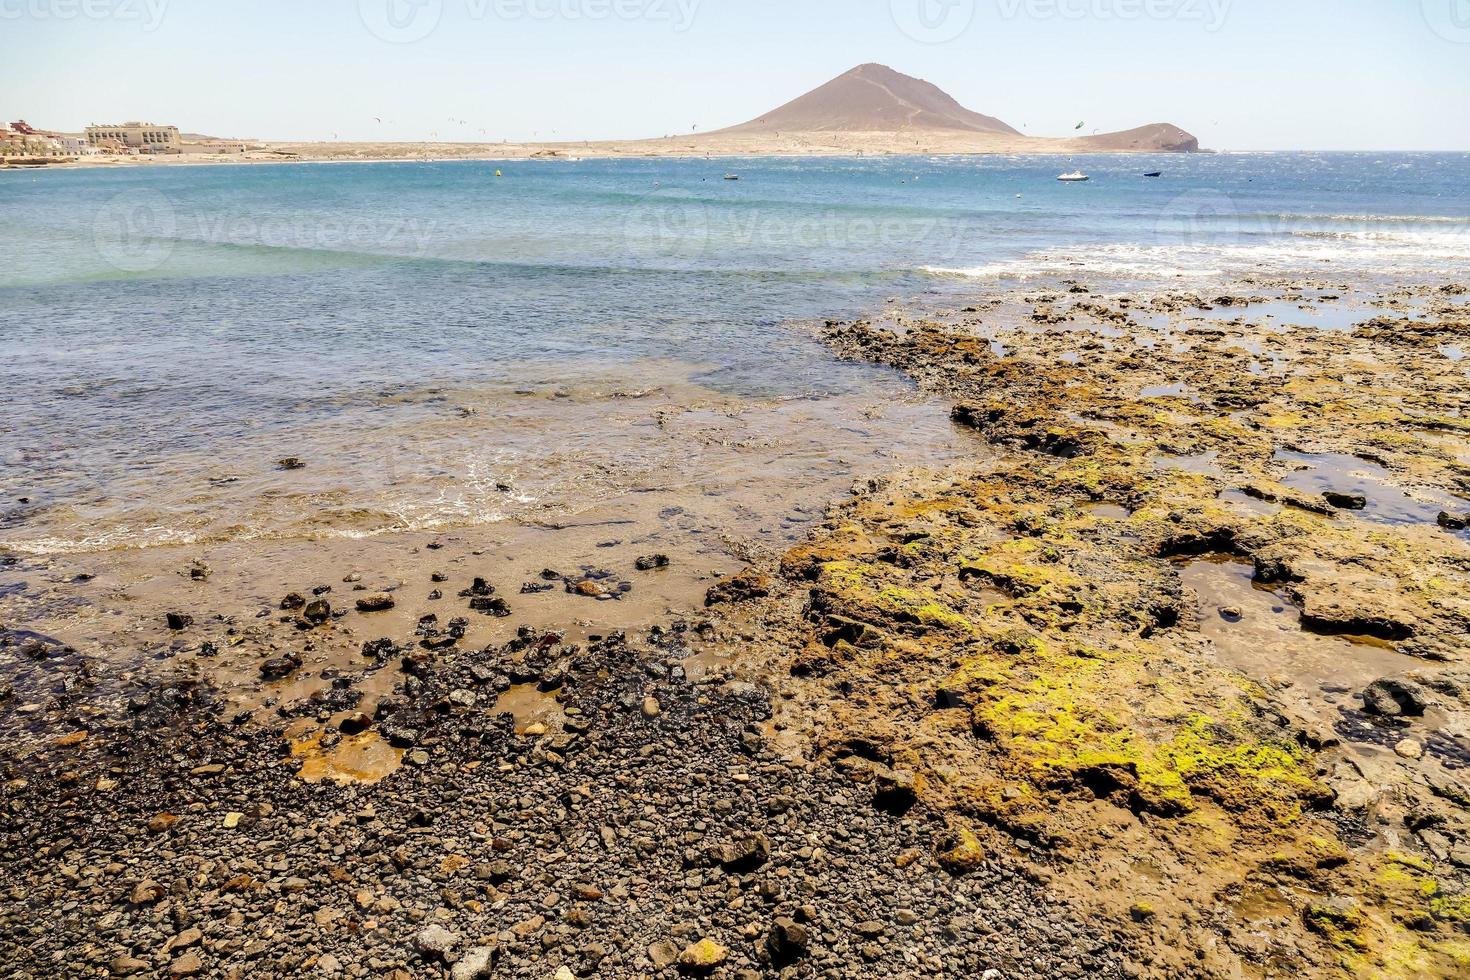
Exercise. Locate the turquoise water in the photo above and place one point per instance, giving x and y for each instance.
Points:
(166, 334)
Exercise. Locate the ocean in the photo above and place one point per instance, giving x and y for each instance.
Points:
(438, 347)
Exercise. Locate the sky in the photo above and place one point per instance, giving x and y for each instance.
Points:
(1239, 74)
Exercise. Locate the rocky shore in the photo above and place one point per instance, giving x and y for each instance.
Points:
(655, 833)
(1165, 680)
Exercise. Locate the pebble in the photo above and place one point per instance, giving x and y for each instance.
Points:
(187, 965)
(1409, 749)
(703, 956)
(435, 942)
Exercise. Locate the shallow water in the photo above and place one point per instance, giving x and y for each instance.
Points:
(1387, 503)
(1258, 632)
(422, 335)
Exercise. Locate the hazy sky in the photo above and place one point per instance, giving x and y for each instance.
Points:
(1241, 74)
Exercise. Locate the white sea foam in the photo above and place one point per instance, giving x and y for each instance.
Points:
(1361, 250)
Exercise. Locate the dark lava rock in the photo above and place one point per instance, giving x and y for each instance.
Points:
(293, 601)
(355, 723)
(648, 563)
(788, 941)
(1345, 501)
(479, 588)
(399, 736)
(490, 606)
(278, 667)
(1454, 522)
(740, 588)
(317, 611)
(1391, 698)
(741, 854)
(179, 621)
(290, 463)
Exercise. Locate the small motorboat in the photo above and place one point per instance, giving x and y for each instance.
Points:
(1075, 177)
(1154, 173)
(732, 176)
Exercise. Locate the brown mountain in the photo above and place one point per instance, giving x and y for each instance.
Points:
(873, 98)
(876, 101)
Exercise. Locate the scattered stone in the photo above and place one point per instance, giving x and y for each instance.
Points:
(277, 668)
(648, 563)
(147, 892)
(162, 822)
(788, 941)
(704, 956)
(187, 965)
(1393, 697)
(290, 463)
(1409, 749)
(377, 602)
(178, 621)
(742, 854)
(475, 964)
(126, 966)
(435, 943)
(965, 853)
(317, 612)
(651, 708)
(663, 954)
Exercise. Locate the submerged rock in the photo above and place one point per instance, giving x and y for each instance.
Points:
(1345, 501)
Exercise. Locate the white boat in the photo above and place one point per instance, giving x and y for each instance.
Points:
(1075, 177)
(732, 176)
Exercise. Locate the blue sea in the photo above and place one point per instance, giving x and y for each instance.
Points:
(443, 347)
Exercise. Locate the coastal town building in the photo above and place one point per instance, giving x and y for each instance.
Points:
(21, 140)
(135, 137)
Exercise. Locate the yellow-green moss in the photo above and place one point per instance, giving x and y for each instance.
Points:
(1341, 925)
(862, 583)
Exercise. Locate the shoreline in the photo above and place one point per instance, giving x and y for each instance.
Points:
(805, 146)
(1030, 668)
